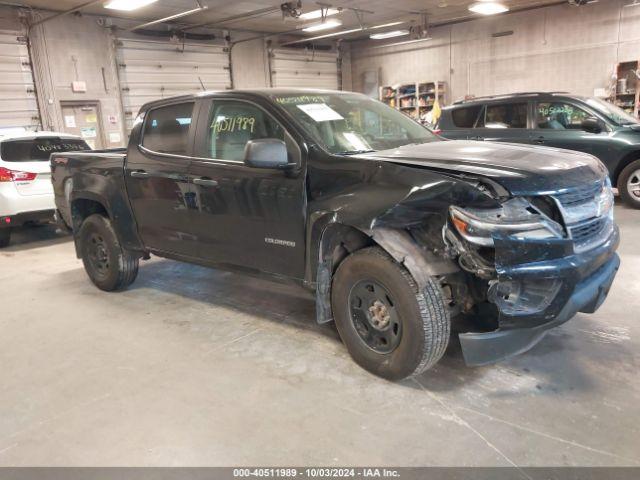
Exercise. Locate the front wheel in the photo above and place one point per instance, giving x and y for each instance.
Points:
(108, 265)
(390, 327)
(629, 184)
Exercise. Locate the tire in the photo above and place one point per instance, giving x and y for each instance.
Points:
(108, 265)
(628, 179)
(408, 330)
(5, 237)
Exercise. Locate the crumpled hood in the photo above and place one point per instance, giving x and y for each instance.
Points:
(521, 169)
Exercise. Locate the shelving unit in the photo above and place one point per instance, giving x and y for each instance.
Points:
(626, 94)
(414, 99)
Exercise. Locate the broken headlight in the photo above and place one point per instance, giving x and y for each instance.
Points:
(515, 217)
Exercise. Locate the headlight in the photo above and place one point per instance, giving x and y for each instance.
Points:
(606, 200)
(515, 217)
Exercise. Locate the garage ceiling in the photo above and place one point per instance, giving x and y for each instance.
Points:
(438, 11)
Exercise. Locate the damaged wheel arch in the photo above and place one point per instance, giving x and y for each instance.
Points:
(340, 240)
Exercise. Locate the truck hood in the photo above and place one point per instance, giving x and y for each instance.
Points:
(521, 169)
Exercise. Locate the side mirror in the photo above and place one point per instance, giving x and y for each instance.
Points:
(266, 153)
(592, 125)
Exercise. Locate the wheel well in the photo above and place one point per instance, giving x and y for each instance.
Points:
(81, 208)
(631, 157)
(339, 241)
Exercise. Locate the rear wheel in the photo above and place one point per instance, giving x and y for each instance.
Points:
(108, 265)
(389, 326)
(629, 184)
(5, 237)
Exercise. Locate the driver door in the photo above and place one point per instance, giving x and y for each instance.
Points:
(246, 217)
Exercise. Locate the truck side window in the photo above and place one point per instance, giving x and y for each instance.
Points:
(166, 129)
(233, 124)
(560, 116)
(507, 115)
(466, 117)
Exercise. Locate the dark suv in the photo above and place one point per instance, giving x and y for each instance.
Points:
(560, 120)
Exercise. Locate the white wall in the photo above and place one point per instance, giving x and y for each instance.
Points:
(556, 48)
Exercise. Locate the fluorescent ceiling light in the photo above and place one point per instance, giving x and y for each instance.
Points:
(323, 26)
(488, 8)
(314, 14)
(328, 35)
(392, 34)
(405, 42)
(384, 25)
(128, 5)
(635, 3)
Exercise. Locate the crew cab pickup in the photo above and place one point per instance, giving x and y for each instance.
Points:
(395, 229)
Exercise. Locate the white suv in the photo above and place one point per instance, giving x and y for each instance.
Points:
(26, 194)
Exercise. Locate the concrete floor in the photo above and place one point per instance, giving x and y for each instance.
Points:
(197, 367)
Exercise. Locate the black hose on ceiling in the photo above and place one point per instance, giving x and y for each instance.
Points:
(176, 33)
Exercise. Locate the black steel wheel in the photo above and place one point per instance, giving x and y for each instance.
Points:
(390, 326)
(98, 255)
(108, 265)
(374, 316)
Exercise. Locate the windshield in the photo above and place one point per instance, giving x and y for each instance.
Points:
(352, 123)
(614, 113)
(38, 149)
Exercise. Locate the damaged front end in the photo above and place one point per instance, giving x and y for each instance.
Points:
(536, 261)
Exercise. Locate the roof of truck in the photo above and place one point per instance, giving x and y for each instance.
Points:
(263, 92)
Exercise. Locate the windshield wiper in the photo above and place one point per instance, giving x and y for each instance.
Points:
(354, 152)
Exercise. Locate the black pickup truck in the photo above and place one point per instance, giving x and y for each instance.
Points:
(396, 230)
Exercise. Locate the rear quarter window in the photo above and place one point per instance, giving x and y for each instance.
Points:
(465, 117)
(167, 129)
(39, 149)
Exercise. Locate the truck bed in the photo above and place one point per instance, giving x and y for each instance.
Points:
(95, 171)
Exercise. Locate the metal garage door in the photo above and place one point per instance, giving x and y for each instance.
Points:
(304, 68)
(18, 105)
(153, 69)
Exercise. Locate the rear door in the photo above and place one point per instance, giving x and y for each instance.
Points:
(503, 122)
(30, 157)
(246, 217)
(157, 178)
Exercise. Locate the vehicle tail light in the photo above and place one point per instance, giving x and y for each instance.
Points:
(437, 131)
(7, 175)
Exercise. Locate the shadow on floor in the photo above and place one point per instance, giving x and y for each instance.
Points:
(558, 364)
(36, 236)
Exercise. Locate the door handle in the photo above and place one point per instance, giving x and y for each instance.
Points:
(539, 140)
(139, 174)
(205, 182)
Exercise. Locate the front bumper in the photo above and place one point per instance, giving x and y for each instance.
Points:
(586, 279)
(8, 221)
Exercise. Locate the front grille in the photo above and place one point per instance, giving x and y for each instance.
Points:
(584, 232)
(590, 234)
(580, 195)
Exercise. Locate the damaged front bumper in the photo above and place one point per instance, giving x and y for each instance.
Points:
(563, 283)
